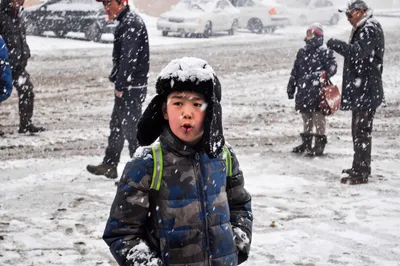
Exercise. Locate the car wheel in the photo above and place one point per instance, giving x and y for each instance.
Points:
(164, 33)
(234, 27)
(255, 25)
(93, 32)
(61, 33)
(302, 20)
(32, 28)
(208, 30)
(334, 20)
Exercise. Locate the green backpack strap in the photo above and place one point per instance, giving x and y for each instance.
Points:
(228, 160)
(158, 167)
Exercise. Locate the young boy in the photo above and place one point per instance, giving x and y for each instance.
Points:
(313, 66)
(183, 203)
(5, 74)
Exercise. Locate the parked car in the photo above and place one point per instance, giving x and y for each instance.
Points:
(200, 17)
(63, 16)
(260, 15)
(303, 12)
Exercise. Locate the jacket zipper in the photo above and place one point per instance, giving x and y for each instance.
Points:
(202, 203)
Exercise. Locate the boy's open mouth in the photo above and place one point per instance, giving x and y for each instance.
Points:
(187, 128)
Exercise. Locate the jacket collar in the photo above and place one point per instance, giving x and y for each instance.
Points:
(122, 13)
(361, 23)
(176, 145)
(367, 15)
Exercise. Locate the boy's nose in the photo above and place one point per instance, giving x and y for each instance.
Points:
(187, 115)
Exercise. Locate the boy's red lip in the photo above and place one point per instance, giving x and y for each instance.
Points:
(187, 128)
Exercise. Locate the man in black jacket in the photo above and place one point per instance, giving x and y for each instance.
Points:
(13, 31)
(131, 62)
(362, 90)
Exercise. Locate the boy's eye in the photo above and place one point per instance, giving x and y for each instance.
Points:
(178, 103)
(198, 104)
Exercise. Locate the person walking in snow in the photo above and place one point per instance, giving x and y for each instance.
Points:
(182, 201)
(12, 29)
(131, 62)
(362, 89)
(5, 74)
(314, 65)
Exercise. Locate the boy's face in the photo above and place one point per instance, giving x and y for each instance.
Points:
(185, 112)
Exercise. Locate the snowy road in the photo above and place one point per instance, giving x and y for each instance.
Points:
(52, 212)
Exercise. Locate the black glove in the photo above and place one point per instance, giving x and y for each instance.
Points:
(113, 76)
(331, 43)
(141, 255)
(290, 96)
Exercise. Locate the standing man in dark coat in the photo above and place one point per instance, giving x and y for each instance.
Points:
(131, 62)
(12, 30)
(362, 90)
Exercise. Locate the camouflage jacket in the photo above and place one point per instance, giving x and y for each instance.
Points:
(189, 220)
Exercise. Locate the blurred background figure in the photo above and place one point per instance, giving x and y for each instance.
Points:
(12, 30)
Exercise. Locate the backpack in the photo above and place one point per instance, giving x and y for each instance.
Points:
(158, 165)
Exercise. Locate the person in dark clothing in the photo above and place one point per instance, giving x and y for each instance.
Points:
(314, 64)
(5, 74)
(182, 201)
(13, 31)
(131, 62)
(362, 89)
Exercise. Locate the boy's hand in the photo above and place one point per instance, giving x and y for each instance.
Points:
(141, 255)
(241, 239)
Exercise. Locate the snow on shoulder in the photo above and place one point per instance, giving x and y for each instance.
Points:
(188, 69)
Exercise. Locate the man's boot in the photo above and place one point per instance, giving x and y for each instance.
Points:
(358, 177)
(319, 147)
(306, 145)
(25, 114)
(30, 129)
(108, 170)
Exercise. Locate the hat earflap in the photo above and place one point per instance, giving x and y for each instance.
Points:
(151, 123)
(213, 136)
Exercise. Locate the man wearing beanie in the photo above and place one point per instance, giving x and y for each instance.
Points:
(183, 201)
(313, 66)
(362, 90)
(131, 63)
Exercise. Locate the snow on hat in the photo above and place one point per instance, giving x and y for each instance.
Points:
(316, 28)
(353, 5)
(186, 74)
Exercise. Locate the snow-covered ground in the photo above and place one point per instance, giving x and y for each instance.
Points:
(52, 212)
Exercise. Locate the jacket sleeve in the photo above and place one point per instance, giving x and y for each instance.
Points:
(126, 225)
(291, 87)
(361, 48)
(5, 73)
(239, 200)
(131, 43)
(330, 64)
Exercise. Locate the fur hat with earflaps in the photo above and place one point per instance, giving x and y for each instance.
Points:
(185, 74)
